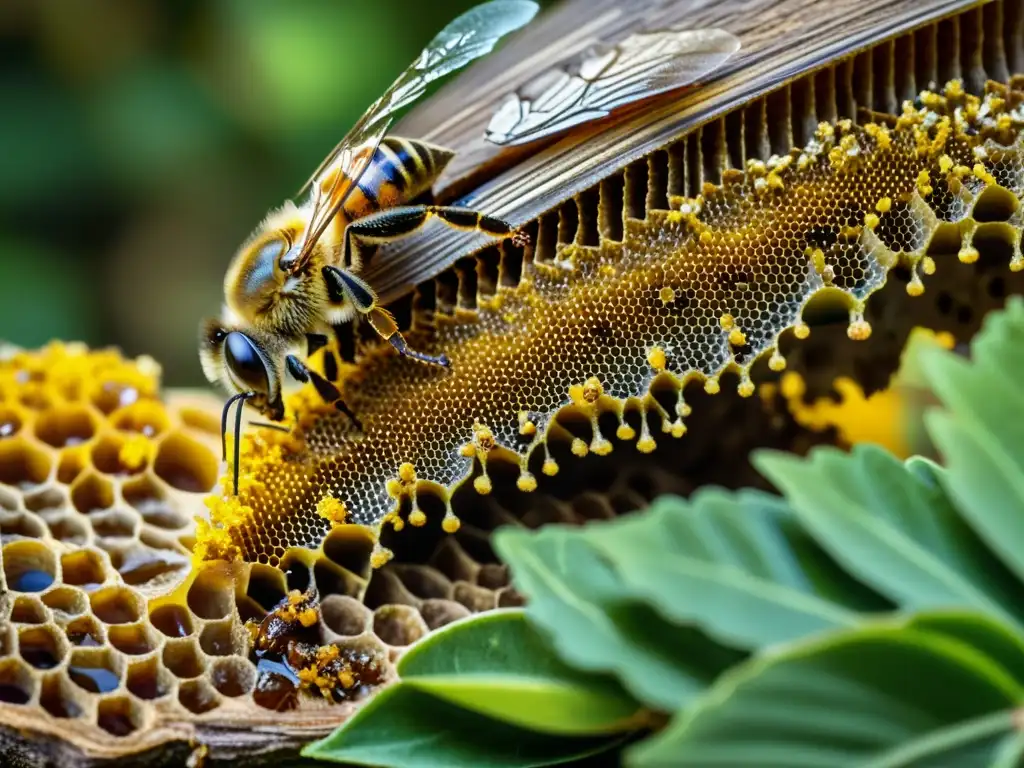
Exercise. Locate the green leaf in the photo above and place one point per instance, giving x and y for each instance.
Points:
(496, 664)
(596, 623)
(892, 529)
(725, 562)
(988, 490)
(406, 728)
(877, 696)
(993, 638)
(1010, 751)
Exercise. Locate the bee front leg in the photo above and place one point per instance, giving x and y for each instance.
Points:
(327, 391)
(346, 286)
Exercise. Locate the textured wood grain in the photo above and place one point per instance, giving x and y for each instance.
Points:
(782, 40)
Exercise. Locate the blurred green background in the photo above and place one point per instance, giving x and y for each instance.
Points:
(142, 140)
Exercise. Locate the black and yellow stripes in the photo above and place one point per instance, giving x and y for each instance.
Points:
(401, 170)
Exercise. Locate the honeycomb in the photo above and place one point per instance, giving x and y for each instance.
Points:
(600, 342)
(116, 641)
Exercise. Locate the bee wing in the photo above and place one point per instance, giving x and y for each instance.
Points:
(471, 35)
(591, 85)
(781, 40)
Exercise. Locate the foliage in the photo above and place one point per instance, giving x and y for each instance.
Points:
(870, 617)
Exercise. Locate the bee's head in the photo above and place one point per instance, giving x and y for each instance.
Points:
(243, 362)
(262, 285)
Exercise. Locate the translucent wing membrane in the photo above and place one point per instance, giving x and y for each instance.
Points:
(605, 77)
(471, 35)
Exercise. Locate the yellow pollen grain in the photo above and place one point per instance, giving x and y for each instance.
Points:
(482, 484)
(308, 617)
(712, 387)
(136, 452)
(407, 473)
(982, 173)
(727, 322)
(745, 388)
(859, 330)
(601, 447)
(656, 358)
(883, 205)
(928, 265)
(777, 362)
(646, 444)
(380, 556)
(625, 432)
(550, 467)
(526, 482)
(417, 518)
(737, 338)
(801, 330)
(667, 295)
(579, 448)
(678, 429)
(450, 523)
(871, 220)
(332, 509)
(968, 254)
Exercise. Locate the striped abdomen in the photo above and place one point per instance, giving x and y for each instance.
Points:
(401, 170)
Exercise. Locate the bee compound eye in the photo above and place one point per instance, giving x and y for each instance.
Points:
(245, 362)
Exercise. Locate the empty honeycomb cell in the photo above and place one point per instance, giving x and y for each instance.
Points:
(109, 396)
(65, 426)
(42, 647)
(20, 525)
(71, 464)
(233, 676)
(84, 568)
(141, 565)
(84, 632)
(117, 605)
(266, 586)
(350, 547)
(9, 499)
(172, 620)
(473, 597)
(6, 639)
(994, 204)
(70, 529)
(115, 524)
(17, 683)
(66, 602)
(10, 422)
(211, 595)
(29, 566)
(60, 697)
(198, 696)
(422, 582)
(149, 500)
(133, 639)
(120, 715)
(35, 397)
(492, 576)
(146, 417)
(510, 598)
(91, 493)
(22, 464)
(437, 613)
(96, 670)
(183, 659)
(398, 625)
(46, 500)
(186, 464)
(344, 616)
(109, 457)
(148, 680)
(219, 638)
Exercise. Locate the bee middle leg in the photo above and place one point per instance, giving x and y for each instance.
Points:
(342, 285)
(394, 223)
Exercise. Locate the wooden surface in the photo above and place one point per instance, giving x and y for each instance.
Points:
(782, 40)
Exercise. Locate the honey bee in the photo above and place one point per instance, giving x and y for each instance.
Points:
(297, 276)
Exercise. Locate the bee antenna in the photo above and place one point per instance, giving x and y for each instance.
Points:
(224, 423)
(238, 431)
